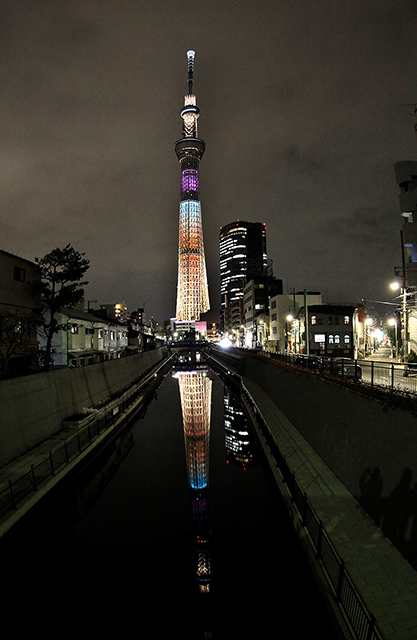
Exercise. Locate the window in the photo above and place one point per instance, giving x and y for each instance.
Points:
(274, 317)
(347, 339)
(330, 319)
(346, 320)
(74, 329)
(274, 330)
(337, 339)
(273, 304)
(331, 339)
(313, 320)
(336, 319)
(319, 320)
(19, 274)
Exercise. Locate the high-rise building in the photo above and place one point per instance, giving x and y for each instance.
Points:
(192, 286)
(242, 256)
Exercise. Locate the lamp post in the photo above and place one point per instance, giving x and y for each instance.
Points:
(404, 316)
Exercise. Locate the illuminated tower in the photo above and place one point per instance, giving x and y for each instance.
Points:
(192, 287)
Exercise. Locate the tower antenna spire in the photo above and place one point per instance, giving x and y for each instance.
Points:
(190, 58)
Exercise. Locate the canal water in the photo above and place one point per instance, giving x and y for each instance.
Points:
(172, 531)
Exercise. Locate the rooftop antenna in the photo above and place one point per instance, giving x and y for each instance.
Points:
(190, 58)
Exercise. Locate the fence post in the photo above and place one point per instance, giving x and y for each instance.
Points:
(319, 540)
(340, 580)
(392, 377)
(11, 495)
(372, 373)
(32, 470)
(292, 486)
(52, 463)
(371, 626)
(304, 509)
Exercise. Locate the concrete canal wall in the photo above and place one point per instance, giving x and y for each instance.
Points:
(33, 407)
(370, 446)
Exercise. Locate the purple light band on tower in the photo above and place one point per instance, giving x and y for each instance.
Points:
(189, 180)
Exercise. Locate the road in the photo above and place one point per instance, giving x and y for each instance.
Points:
(380, 367)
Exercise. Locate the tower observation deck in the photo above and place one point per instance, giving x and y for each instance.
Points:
(192, 286)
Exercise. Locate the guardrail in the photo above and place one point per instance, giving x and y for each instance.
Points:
(347, 595)
(400, 377)
(362, 622)
(92, 427)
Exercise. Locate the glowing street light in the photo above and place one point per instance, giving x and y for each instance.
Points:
(404, 315)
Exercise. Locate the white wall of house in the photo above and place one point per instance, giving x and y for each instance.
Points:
(84, 335)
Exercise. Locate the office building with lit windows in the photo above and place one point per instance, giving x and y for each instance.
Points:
(243, 256)
(192, 286)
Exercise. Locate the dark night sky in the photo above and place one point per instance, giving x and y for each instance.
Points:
(300, 110)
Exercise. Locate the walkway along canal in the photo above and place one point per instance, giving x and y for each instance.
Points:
(172, 529)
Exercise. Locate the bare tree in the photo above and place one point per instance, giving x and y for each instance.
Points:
(18, 338)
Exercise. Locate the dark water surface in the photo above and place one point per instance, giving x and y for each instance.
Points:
(125, 549)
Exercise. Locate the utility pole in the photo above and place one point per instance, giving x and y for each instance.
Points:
(306, 323)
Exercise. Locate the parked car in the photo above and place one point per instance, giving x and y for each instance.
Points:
(345, 367)
(312, 362)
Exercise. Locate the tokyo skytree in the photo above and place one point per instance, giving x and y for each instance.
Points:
(192, 286)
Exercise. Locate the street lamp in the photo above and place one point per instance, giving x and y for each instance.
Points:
(404, 316)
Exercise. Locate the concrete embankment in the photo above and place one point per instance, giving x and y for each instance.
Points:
(33, 407)
(355, 457)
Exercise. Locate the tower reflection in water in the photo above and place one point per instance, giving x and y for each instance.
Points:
(195, 387)
(195, 393)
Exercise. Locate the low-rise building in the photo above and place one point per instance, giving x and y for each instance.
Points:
(332, 330)
(84, 338)
(284, 323)
(19, 306)
(256, 304)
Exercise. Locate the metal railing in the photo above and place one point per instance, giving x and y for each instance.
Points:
(91, 428)
(361, 621)
(398, 377)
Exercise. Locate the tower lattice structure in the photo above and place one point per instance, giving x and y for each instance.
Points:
(192, 286)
